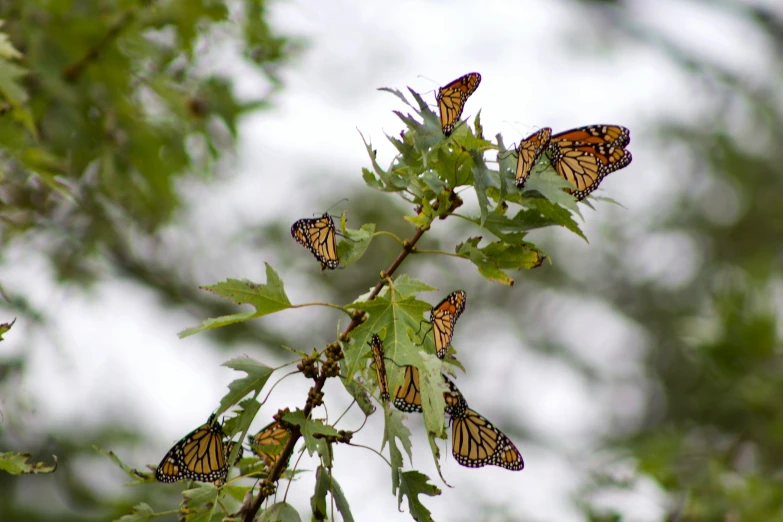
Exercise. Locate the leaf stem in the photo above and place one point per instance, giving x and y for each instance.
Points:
(249, 514)
(439, 252)
(371, 449)
(384, 233)
(330, 305)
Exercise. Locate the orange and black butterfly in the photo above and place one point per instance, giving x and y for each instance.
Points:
(475, 442)
(200, 455)
(584, 156)
(528, 152)
(318, 235)
(443, 318)
(269, 442)
(451, 99)
(380, 368)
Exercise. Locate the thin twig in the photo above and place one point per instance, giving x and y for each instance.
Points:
(279, 466)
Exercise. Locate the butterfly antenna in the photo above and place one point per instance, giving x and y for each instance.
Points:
(330, 208)
(392, 361)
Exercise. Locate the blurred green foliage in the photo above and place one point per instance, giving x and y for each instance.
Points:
(106, 106)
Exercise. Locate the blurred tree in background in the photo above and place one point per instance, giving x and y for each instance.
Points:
(711, 431)
(107, 108)
(104, 114)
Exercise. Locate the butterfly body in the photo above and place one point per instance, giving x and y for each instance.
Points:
(451, 99)
(318, 236)
(380, 368)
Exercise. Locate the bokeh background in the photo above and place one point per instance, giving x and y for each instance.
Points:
(639, 374)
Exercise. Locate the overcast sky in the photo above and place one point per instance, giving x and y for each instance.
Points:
(543, 63)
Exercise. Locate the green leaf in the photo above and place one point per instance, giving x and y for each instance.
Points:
(9, 87)
(350, 250)
(280, 512)
(398, 94)
(310, 427)
(141, 513)
(257, 375)
(482, 180)
(318, 500)
(550, 185)
(394, 315)
(359, 393)
(391, 182)
(241, 423)
(237, 492)
(16, 464)
(201, 495)
(340, 500)
(432, 387)
(266, 298)
(413, 484)
(370, 179)
(393, 431)
(492, 259)
(200, 503)
(433, 182)
(4, 327)
(7, 50)
(407, 286)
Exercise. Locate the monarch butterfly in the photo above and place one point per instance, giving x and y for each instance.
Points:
(407, 397)
(318, 235)
(380, 368)
(269, 442)
(476, 442)
(443, 317)
(200, 455)
(528, 152)
(584, 156)
(451, 99)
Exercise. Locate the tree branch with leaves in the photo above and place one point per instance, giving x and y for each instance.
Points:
(427, 172)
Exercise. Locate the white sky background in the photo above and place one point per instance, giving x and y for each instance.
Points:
(538, 69)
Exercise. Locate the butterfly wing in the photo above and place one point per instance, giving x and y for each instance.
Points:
(318, 236)
(614, 135)
(380, 368)
(585, 166)
(268, 443)
(229, 448)
(200, 455)
(476, 442)
(443, 317)
(407, 397)
(528, 152)
(452, 97)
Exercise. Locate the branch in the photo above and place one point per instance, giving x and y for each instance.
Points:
(277, 470)
(75, 69)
